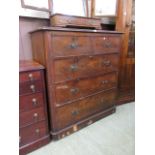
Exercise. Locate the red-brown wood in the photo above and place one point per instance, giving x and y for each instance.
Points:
(83, 67)
(33, 120)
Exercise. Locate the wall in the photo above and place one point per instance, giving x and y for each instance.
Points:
(26, 25)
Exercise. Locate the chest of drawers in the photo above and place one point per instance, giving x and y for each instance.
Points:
(81, 71)
(33, 119)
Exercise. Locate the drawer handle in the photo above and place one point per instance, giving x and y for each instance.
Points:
(73, 45)
(107, 62)
(75, 112)
(31, 76)
(107, 45)
(32, 87)
(74, 90)
(34, 101)
(104, 81)
(37, 131)
(73, 67)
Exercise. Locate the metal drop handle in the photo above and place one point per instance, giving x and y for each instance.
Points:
(74, 90)
(31, 76)
(34, 101)
(73, 67)
(32, 87)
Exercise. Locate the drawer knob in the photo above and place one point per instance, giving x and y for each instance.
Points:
(37, 131)
(107, 62)
(75, 112)
(104, 82)
(73, 67)
(107, 45)
(74, 90)
(73, 45)
(35, 115)
(34, 101)
(31, 76)
(32, 87)
(19, 139)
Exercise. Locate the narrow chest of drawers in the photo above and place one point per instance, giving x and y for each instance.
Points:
(82, 75)
(33, 118)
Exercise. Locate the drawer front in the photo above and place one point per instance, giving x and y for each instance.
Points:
(68, 69)
(66, 92)
(30, 117)
(106, 44)
(30, 87)
(32, 133)
(28, 102)
(70, 45)
(72, 113)
(29, 76)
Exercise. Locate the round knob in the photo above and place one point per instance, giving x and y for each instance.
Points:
(37, 130)
(35, 115)
(32, 87)
(34, 101)
(31, 76)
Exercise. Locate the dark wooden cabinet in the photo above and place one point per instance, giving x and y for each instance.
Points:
(82, 75)
(33, 118)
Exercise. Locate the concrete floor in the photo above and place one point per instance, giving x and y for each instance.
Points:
(112, 135)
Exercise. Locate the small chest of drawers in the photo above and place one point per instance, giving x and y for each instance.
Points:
(33, 119)
(82, 74)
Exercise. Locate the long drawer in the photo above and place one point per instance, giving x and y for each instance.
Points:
(33, 132)
(29, 102)
(73, 68)
(68, 91)
(30, 117)
(72, 113)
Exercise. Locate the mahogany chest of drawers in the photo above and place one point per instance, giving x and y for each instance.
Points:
(33, 120)
(81, 71)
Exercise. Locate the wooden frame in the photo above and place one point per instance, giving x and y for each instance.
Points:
(33, 7)
(93, 14)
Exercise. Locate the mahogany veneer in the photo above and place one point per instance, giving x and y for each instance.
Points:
(81, 71)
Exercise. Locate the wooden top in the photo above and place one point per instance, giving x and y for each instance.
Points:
(74, 30)
(29, 65)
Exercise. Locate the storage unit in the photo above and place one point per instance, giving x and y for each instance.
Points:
(33, 119)
(82, 74)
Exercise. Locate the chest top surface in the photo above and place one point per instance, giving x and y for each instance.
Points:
(29, 65)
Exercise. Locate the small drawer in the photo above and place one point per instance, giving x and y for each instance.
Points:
(28, 102)
(30, 117)
(66, 92)
(29, 76)
(69, 44)
(32, 133)
(29, 88)
(106, 44)
(71, 113)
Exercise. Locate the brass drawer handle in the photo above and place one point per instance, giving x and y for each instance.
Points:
(32, 87)
(31, 76)
(107, 45)
(74, 90)
(73, 45)
(73, 67)
(34, 101)
(104, 81)
(75, 112)
(107, 62)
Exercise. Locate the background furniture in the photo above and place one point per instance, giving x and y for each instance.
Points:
(33, 119)
(81, 71)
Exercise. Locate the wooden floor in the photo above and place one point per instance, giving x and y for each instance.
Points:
(113, 135)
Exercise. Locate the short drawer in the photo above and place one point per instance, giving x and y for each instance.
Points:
(68, 91)
(28, 102)
(30, 117)
(76, 111)
(30, 87)
(29, 76)
(70, 44)
(106, 44)
(32, 133)
(72, 68)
